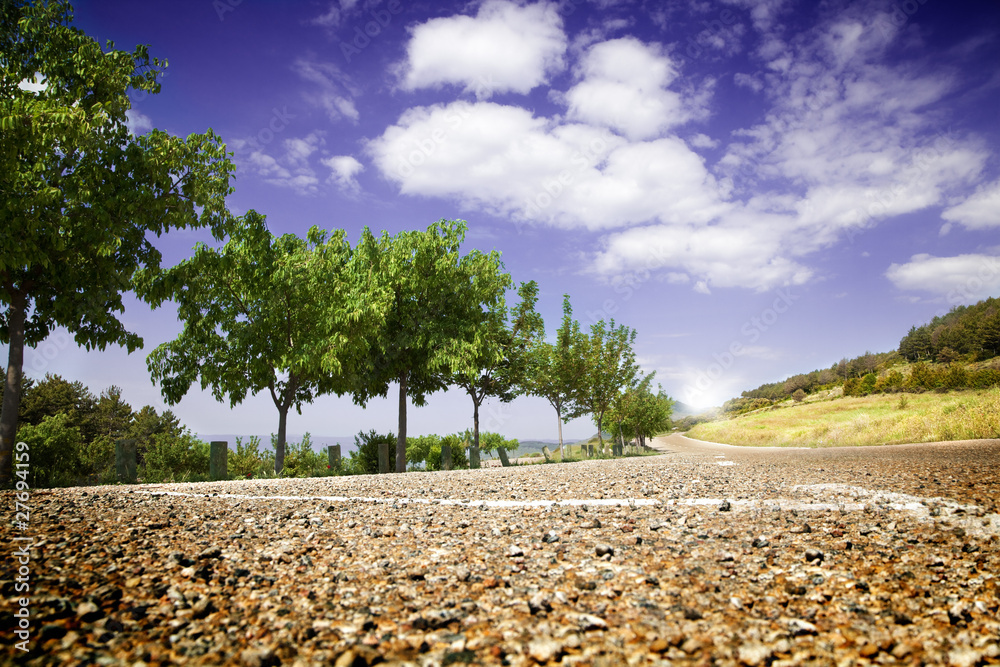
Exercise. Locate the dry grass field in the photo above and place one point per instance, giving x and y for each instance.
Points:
(870, 420)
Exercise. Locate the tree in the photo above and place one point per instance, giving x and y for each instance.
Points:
(80, 193)
(609, 367)
(556, 370)
(492, 358)
(280, 314)
(434, 296)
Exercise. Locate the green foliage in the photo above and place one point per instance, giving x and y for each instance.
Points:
(492, 443)
(235, 300)
(493, 358)
(175, 458)
(301, 460)
(971, 331)
(798, 395)
(739, 406)
(436, 300)
(247, 461)
(556, 371)
(54, 451)
(82, 195)
(609, 367)
(364, 459)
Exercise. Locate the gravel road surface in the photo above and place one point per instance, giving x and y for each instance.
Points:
(707, 554)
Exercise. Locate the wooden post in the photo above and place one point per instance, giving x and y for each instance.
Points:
(504, 461)
(383, 457)
(547, 453)
(125, 461)
(473, 457)
(218, 460)
(590, 451)
(446, 463)
(333, 452)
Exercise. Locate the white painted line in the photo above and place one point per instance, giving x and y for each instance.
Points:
(571, 502)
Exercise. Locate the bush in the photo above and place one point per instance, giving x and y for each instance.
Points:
(364, 458)
(301, 460)
(248, 461)
(53, 451)
(175, 458)
(798, 395)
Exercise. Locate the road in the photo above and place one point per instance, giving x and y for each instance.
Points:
(707, 554)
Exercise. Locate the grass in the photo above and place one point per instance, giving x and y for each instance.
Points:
(882, 419)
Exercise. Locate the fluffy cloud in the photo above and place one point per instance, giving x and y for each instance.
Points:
(846, 142)
(344, 170)
(532, 169)
(505, 47)
(962, 279)
(979, 211)
(624, 86)
(138, 123)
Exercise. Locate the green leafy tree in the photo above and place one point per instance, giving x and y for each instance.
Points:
(492, 358)
(555, 371)
(83, 196)
(263, 313)
(55, 446)
(492, 443)
(610, 367)
(432, 293)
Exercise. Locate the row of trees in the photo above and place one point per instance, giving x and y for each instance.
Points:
(970, 332)
(296, 317)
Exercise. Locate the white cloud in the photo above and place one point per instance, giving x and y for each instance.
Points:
(961, 279)
(36, 85)
(505, 47)
(291, 168)
(344, 170)
(846, 142)
(333, 90)
(137, 123)
(513, 163)
(979, 211)
(624, 87)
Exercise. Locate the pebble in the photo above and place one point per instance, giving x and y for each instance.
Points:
(128, 577)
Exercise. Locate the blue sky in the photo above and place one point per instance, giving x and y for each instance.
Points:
(759, 188)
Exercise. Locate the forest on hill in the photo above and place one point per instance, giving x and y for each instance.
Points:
(958, 350)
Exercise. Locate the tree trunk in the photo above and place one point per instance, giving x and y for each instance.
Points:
(559, 417)
(401, 436)
(474, 454)
(12, 389)
(279, 447)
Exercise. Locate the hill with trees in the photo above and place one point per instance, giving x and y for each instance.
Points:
(958, 350)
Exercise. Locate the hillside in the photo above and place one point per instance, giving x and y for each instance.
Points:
(868, 420)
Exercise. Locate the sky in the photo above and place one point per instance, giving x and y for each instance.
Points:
(759, 188)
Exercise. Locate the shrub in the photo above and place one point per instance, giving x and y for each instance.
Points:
(247, 461)
(364, 458)
(53, 451)
(301, 460)
(175, 458)
(798, 395)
